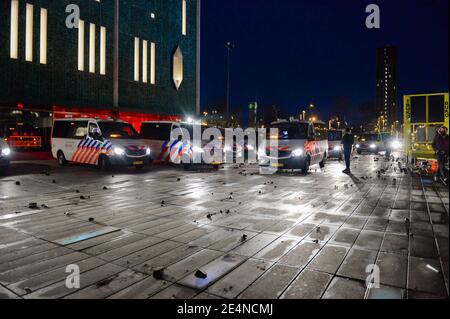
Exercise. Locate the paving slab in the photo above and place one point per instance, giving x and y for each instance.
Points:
(35, 283)
(176, 292)
(308, 285)
(300, 255)
(277, 249)
(254, 245)
(231, 285)
(345, 237)
(425, 275)
(213, 271)
(190, 264)
(272, 284)
(344, 288)
(393, 269)
(328, 259)
(143, 289)
(59, 290)
(356, 262)
(108, 286)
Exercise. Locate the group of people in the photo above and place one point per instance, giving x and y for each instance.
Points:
(440, 146)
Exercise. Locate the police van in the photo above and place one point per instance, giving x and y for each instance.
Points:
(174, 148)
(335, 149)
(300, 144)
(104, 143)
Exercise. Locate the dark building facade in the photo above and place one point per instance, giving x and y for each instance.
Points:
(49, 63)
(386, 90)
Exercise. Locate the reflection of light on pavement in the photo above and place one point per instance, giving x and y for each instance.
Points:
(432, 268)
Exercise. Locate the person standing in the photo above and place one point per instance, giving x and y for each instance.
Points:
(440, 146)
(347, 141)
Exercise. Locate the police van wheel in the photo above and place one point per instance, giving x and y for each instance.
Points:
(61, 159)
(305, 167)
(103, 163)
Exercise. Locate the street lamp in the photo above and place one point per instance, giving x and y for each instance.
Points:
(230, 48)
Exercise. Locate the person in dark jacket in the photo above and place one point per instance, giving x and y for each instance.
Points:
(347, 141)
(440, 146)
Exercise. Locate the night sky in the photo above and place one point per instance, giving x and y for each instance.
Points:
(293, 52)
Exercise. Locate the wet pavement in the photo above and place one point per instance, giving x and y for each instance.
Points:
(157, 233)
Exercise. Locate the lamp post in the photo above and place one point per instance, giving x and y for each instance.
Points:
(230, 48)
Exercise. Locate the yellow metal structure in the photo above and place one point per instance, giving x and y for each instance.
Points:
(421, 122)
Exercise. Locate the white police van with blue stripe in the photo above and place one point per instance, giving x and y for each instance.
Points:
(103, 143)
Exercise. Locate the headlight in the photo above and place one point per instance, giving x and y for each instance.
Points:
(358, 146)
(396, 144)
(119, 151)
(298, 152)
(148, 151)
(373, 146)
(6, 151)
(197, 149)
(337, 148)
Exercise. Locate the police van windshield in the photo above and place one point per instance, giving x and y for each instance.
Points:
(335, 135)
(118, 130)
(292, 131)
(370, 137)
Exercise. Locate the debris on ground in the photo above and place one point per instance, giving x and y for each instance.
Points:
(17, 183)
(32, 205)
(244, 238)
(68, 213)
(200, 274)
(104, 282)
(44, 206)
(317, 235)
(178, 179)
(158, 272)
(54, 181)
(105, 188)
(85, 197)
(91, 219)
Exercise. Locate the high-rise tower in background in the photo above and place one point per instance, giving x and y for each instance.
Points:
(386, 90)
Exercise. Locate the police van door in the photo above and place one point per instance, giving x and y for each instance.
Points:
(89, 148)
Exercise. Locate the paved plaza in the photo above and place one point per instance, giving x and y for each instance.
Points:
(231, 233)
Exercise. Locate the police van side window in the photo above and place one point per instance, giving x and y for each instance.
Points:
(321, 132)
(68, 129)
(156, 131)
